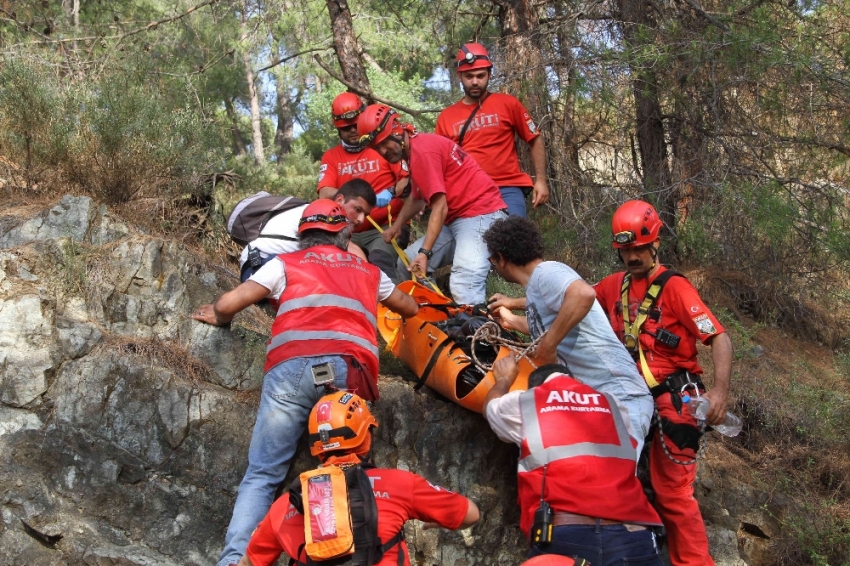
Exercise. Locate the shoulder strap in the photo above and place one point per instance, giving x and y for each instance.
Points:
(286, 204)
(469, 120)
(631, 336)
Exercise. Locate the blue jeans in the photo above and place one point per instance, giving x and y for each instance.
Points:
(461, 243)
(514, 197)
(288, 396)
(603, 545)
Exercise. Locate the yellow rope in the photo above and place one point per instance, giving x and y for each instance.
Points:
(403, 256)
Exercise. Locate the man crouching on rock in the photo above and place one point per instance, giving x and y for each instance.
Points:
(324, 334)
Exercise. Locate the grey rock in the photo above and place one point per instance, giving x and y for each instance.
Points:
(69, 219)
(136, 420)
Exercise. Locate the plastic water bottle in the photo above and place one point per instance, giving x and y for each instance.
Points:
(698, 406)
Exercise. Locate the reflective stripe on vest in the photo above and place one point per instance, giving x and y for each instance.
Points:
(301, 336)
(326, 301)
(539, 456)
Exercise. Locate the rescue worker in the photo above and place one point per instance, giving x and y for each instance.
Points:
(462, 197)
(562, 313)
(663, 343)
(350, 160)
(577, 459)
(484, 124)
(399, 495)
(324, 334)
(280, 234)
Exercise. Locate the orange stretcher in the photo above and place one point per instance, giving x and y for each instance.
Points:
(433, 356)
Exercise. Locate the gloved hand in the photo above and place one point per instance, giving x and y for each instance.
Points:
(383, 198)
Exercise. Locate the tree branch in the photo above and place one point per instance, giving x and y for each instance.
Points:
(370, 94)
(288, 57)
(711, 19)
(148, 27)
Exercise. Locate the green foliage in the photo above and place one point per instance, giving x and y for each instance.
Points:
(114, 137)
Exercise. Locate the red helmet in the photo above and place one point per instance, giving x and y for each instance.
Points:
(549, 560)
(472, 56)
(636, 223)
(323, 214)
(345, 109)
(376, 123)
(339, 421)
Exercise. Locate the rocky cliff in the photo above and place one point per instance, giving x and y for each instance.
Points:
(124, 425)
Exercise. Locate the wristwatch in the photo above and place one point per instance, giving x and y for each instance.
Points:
(428, 253)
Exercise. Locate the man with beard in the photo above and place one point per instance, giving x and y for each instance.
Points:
(658, 315)
(350, 160)
(484, 125)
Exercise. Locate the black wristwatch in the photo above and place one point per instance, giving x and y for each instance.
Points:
(428, 253)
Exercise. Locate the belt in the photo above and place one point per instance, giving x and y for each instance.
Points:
(562, 518)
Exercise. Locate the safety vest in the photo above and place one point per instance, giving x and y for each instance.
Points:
(328, 307)
(578, 435)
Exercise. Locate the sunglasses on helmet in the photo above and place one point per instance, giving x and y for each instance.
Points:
(350, 115)
(323, 218)
(625, 237)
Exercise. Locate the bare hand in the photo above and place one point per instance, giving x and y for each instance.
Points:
(206, 313)
(545, 353)
(717, 406)
(506, 369)
(505, 318)
(419, 265)
(391, 233)
(498, 301)
(540, 192)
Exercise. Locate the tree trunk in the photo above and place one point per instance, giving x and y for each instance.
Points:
(283, 134)
(238, 140)
(256, 131)
(649, 125)
(347, 48)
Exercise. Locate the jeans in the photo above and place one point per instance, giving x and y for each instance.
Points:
(470, 264)
(514, 197)
(288, 396)
(381, 253)
(603, 545)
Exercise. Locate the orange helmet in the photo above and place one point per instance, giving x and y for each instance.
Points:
(472, 56)
(339, 421)
(549, 560)
(345, 109)
(636, 223)
(323, 214)
(377, 123)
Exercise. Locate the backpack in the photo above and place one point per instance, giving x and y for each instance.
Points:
(251, 214)
(340, 518)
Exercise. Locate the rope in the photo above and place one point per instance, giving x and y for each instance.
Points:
(491, 333)
(403, 256)
(702, 443)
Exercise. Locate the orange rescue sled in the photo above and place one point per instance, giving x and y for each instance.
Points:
(430, 353)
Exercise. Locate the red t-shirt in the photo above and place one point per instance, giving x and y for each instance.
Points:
(399, 496)
(680, 310)
(438, 165)
(339, 166)
(490, 136)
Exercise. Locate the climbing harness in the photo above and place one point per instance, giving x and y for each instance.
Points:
(631, 331)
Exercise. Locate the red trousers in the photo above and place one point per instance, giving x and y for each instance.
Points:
(674, 486)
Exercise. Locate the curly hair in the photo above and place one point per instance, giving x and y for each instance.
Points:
(515, 239)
